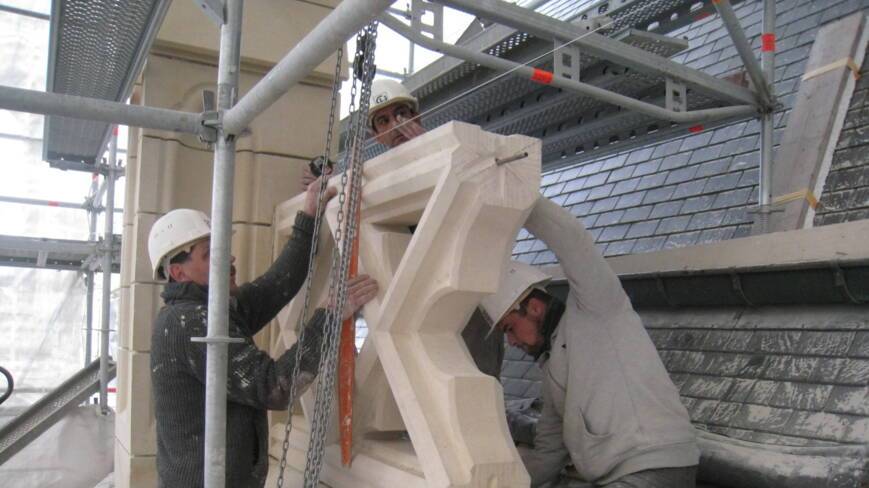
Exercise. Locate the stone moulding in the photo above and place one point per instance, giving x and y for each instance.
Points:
(414, 372)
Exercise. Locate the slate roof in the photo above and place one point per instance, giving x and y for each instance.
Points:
(697, 188)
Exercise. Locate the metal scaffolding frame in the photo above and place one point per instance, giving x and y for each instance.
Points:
(231, 118)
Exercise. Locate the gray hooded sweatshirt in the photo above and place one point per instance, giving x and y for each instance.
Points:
(608, 403)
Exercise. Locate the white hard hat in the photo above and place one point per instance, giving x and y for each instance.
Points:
(173, 233)
(385, 92)
(518, 281)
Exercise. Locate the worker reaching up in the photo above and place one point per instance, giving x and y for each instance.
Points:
(609, 405)
(393, 118)
(178, 245)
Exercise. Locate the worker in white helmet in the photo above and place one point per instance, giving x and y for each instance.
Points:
(178, 245)
(393, 118)
(393, 115)
(609, 405)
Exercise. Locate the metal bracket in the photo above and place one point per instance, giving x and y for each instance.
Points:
(765, 210)
(662, 289)
(567, 61)
(218, 340)
(737, 287)
(841, 283)
(419, 9)
(677, 96)
(600, 23)
(214, 9)
(210, 118)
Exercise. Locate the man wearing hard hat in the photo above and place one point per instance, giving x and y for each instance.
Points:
(393, 114)
(609, 405)
(178, 245)
(393, 118)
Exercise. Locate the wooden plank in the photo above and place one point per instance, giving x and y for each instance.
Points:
(802, 162)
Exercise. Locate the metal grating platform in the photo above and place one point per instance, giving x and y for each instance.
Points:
(567, 123)
(96, 50)
(56, 254)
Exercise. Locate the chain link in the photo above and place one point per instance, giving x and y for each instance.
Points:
(312, 259)
(344, 235)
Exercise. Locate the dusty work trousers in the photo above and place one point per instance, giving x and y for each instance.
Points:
(652, 478)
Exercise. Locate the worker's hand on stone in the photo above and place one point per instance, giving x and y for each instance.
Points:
(307, 177)
(360, 290)
(313, 190)
(409, 128)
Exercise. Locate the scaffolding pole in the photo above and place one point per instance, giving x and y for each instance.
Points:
(89, 317)
(89, 274)
(766, 121)
(547, 78)
(218, 340)
(743, 47)
(47, 103)
(330, 34)
(47, 203)
(107, 272)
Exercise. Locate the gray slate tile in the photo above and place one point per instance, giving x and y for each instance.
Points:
(642, 229)
(652, 181)
(613, 233)
(709, 236)
(681, 240)
(659, 194)
(647, 168)
(625, 186)
(604, 205)
(722, 182)
(698, 204)
(636, 214)
(619, 248)
(608, 218)
(696, 140)
(674, 224)
(631, 199)
(649, 244)
(732, 198)
(675, 161)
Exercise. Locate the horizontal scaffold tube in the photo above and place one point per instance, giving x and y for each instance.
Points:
(47, 103)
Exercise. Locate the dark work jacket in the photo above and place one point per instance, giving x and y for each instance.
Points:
(255, 383)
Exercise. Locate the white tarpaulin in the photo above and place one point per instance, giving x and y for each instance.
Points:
(76, 452)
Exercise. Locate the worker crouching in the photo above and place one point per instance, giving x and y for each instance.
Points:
(609, 405)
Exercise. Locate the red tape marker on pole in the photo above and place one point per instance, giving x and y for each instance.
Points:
(767, 43)
(541, 76)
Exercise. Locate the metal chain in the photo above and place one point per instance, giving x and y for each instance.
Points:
(312, 259)
(344, 233)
